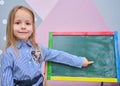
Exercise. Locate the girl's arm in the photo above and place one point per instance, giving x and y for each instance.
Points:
(6, 69)
(64, 57)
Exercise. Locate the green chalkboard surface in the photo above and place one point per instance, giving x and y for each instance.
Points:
(98, 48)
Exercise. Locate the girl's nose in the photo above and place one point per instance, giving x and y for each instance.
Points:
(23, 26)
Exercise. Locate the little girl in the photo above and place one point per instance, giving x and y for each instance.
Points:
(22, 57)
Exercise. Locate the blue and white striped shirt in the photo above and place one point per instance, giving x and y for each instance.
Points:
(24, 67)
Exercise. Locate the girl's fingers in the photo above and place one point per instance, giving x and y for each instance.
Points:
(90, 62)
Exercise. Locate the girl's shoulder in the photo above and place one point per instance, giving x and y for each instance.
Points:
(42, 47)
(7, 55)
(8, 51)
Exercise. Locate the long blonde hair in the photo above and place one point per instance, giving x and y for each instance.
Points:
(10, 38)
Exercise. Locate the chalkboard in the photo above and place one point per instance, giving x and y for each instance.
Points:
(100, 47)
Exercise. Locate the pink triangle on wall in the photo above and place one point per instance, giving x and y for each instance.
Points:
(72, 15)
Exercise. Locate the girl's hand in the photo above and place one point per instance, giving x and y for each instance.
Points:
(86, 62)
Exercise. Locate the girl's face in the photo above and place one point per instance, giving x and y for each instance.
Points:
(23, 25)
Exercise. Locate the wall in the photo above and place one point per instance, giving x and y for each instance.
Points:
(66, 15)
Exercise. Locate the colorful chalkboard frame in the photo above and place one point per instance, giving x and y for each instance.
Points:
(50, 75)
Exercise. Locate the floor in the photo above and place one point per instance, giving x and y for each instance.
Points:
(67, 83)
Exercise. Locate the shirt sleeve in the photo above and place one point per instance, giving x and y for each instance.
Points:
(6, 69)
(62, 57)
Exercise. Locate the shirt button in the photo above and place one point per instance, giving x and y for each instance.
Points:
(29, 62)
(27, 51)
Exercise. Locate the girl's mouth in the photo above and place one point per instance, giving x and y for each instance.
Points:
(24, 32)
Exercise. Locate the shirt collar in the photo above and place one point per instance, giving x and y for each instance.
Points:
(21, 43)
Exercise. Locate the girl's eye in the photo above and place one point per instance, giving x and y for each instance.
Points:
(28, 23)
(17, 22)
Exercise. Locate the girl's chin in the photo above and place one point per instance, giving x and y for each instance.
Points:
(23, 39)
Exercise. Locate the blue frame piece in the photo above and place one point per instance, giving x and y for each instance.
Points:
(117, 55)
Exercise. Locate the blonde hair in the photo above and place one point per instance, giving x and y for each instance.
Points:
(10, 38)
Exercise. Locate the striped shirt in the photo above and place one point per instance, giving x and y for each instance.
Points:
(24, 66)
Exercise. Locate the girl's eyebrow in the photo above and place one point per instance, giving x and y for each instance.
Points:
(21, 20)
(28, 20)
(16, 20)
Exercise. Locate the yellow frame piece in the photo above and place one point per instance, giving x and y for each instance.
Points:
(85, 79)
